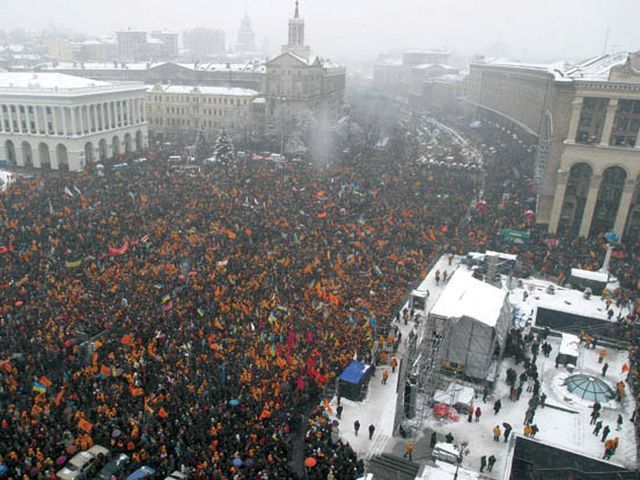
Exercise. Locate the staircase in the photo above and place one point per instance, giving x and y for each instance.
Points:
(391, 467)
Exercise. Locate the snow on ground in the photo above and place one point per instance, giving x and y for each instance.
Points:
(566, 429)
(379, 407)
(446, 471)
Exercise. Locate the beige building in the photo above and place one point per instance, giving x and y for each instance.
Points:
(584, 120)
(297, 82)
(181, 110)
(59, 48)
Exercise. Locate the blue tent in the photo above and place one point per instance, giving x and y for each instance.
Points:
(353, 380)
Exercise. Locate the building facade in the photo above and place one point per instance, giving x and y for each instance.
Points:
(180, 110)
(584, 120)
(51, 121)
(163, 45)
(202, 42)
(296, 82)
(246, 36)
(132, 46)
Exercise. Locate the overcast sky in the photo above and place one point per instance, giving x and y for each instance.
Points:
(361, 29)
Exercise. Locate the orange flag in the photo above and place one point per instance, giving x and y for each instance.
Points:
(127, 339)
(46, 382)
(83, 424)
(137, 392)
(59, 396)
(105, 370)
(327, 406)
(163, 413)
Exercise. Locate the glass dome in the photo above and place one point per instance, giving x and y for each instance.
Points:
(589, 388)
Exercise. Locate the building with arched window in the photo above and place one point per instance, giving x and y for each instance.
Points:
(62, 122)
(583, 121)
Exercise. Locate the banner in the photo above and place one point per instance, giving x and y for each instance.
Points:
(515, 236)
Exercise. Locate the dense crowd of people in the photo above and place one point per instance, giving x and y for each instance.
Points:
(183, 318)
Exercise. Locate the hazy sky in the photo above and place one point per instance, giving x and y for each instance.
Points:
(527, 29)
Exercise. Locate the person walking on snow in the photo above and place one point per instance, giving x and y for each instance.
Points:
(619, 422)
(496, 433)
(356, 426)
(596, 431)
(497, 406)
(492, 462)
(605, 367)
(385, 377)
(605, 433)
(483, 463)
(339, 412)
(408, 450)
(372, 429)
(478, 413)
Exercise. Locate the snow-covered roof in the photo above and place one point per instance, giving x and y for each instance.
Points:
(569, 345)
(37, 83)
(205, 90)
(455, 393)
(589, 275)
(465, 296)
(596, 68)
(202, 66)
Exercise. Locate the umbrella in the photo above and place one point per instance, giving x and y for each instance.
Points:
(234, 403)
(507, 426)
(61, 460)
(335, 423)
(529, 215)
(237, 462)
(116, 433)
(310, 462)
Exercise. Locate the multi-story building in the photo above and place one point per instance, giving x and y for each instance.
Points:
(179, 110)
(584, 120)
(99, 50)
(407, 76)
(297, 82)
(202, 42)
(163, 45)
(60, 122)
(133, 46)
(59, 48)
(246, 36)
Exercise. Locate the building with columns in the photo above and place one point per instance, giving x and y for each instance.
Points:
(52, 121)
(584, 122)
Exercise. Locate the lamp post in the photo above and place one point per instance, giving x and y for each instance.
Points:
(463, 451)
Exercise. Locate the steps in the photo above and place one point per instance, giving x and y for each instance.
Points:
(392, 467)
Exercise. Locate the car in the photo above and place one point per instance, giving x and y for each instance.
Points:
(142, 472)
(114, 467)
(82, 464)
(177, 476)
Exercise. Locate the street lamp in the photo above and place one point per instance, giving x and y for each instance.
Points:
(463, 451)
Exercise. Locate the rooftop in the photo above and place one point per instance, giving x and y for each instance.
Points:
(35, 83)
(465, 296)
(185, 89)
(595, 68)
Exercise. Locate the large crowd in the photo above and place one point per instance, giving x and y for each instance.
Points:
(185, 318)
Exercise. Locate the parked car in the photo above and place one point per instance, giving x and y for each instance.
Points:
(114, 467)
(83, 463)
(142, 472)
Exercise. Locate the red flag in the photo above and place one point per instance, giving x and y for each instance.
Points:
(83, 424)
(116, 252)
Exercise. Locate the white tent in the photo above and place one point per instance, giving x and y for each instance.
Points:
(474, 318)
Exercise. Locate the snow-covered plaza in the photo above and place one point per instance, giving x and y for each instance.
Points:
(563, 421)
